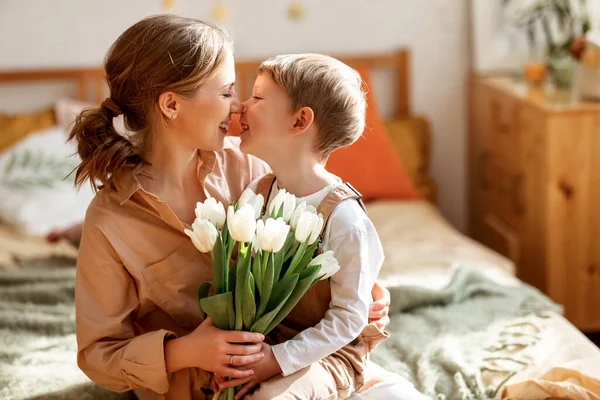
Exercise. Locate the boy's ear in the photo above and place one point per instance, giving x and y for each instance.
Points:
(304, 119)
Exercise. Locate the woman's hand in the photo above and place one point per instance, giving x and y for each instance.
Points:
(264, 369)
(215, 350)
(379, 309)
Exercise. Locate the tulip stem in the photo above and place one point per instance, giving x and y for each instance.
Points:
(241, 282)
(297, 258)
(256, 266)
(230, 246)
(265, 259)
(267, 285)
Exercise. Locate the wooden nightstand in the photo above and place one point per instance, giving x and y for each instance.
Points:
(534, 165)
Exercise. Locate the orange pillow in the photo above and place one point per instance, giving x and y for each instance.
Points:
(370, 164)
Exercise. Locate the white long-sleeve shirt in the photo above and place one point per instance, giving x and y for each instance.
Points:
(350, 234)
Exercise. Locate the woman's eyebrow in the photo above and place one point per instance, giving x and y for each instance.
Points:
(228, 85)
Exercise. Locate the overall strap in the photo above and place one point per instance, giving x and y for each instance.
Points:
(264, 187)
(335, 197)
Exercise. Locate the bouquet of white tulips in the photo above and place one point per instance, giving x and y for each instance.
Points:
(275, 263)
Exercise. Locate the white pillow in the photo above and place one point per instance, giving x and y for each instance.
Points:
(35, 197)
(67, 109)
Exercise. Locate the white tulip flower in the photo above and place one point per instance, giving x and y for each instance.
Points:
(241, 223)
(271, 235)
(308, 227)
(298, 212)
(255, 200)
(329, 265)
(289, 205)
(203, 235)
(212, 211)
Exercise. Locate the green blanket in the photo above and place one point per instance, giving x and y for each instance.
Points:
(443, 340)
(37, 336)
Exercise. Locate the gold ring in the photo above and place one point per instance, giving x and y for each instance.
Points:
(231, 360)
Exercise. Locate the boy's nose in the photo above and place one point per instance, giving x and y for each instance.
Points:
(244, 107)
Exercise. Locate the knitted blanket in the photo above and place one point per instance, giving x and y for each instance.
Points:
(444, 340)
(37, 336)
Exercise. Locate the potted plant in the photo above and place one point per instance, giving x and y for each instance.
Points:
(554, 28)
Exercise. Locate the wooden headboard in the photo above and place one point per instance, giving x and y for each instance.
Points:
(91, 85)
(90, 82)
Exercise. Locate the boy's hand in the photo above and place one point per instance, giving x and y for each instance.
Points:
(380, 307)
(263, 369)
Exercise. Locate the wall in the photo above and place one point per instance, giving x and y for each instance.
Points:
(63, 33)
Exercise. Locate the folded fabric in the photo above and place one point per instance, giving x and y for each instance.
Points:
(577, 380)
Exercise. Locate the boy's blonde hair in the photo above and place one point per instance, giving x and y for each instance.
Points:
(330, 88)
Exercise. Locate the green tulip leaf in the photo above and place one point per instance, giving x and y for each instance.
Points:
(220, 308)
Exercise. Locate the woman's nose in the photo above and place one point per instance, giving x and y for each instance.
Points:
(236, 106)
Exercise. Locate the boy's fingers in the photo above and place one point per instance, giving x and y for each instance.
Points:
(379, 313)
(245, 389)
(382, 322)
(234, 382)
(244, 349)
(377, 305)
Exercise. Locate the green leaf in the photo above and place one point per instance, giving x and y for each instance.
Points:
(251, 282)
(292, 249)
(26, 158)
(297, 258)
(306, 258)
(231, 281)
(282, 290)
(241, 285)
(281, 254)
(202, 293)
(262, 270)
(307, 279)
(217, 261)
(282, 295)
(280, 211)
(310, 271)
(10, 164)
(220, 308)
(248, 303)
(267, 285)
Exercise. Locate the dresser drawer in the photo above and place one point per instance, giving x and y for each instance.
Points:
(501, 238)
(507, 194)
(504, 130)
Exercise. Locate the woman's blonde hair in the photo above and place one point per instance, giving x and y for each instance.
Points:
(158, 54)
(332, 89)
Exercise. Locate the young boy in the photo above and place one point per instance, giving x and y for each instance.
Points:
(303, 108)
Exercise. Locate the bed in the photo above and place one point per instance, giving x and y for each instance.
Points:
(463, 327)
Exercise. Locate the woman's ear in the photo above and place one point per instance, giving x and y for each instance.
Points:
(168, 104)
(304, 118)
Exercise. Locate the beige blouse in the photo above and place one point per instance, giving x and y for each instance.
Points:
(138, 276)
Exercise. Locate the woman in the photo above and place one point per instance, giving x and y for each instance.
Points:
(138, 322)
